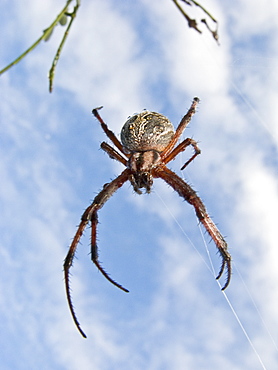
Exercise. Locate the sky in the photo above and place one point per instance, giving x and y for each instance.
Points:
(126, 58)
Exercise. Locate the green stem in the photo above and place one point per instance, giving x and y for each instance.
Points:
(204, 10)
(45, 34)
(191, 22)
(58, 53)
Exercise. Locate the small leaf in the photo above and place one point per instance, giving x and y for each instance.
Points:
(47, 33)
(63, 20)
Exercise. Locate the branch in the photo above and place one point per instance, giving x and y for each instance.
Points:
(192, 23)
(60, 19)
(51, 74)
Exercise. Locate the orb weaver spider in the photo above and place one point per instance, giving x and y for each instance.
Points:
(147, 144)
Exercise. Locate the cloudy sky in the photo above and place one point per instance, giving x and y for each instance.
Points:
(128, 57)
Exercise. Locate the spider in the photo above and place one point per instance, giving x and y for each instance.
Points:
(148, 143)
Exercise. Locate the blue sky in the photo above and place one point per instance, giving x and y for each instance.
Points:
(129, 57)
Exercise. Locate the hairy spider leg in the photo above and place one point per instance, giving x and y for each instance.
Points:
(186, 192)
(67, 265)
(90, 214)
(113, 153)
(180, 148)
(181, 127)
(222, 247)
(108, 132)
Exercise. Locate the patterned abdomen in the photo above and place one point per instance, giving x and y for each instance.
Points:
(147, 131)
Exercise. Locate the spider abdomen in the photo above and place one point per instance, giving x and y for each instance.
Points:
(147, 131)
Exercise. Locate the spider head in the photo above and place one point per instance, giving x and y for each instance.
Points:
(141, 165)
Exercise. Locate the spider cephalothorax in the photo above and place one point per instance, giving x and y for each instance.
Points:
(148, 143)
(147, 131)
(144, 136)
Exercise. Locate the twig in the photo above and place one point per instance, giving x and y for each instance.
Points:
(45, 36)
(58, 53)
(192, 23)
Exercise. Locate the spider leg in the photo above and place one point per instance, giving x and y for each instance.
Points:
(108, 132)
(94, 249)
(90, 214)
(180, 148)
(186, 192)
(222, 247)
(99, 201)
(67, 265)
(113, 153)
(181, 127)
